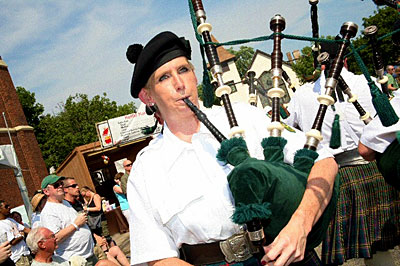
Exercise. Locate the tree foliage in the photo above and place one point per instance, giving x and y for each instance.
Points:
(303, 67)
(73, 125)
(384, 19)
(243, 59)
(32, 110)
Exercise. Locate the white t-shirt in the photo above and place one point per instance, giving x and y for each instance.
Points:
(179, 191)
(12, 229)
(377, 137)
(304, 105)
(57, 216)
(57, 261)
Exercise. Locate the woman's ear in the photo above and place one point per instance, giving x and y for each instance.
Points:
(145, 97)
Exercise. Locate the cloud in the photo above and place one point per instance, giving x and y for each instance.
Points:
(60, 48)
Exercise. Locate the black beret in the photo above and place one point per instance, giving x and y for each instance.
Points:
(164, 47)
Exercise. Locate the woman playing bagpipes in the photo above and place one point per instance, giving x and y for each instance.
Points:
(181, 200)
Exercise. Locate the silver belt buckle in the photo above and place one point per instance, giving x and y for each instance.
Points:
(237, 248)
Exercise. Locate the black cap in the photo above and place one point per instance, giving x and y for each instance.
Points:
(164, 47)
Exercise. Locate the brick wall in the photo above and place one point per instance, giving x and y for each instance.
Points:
(25, 143)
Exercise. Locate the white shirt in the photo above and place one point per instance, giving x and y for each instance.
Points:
(303, 108)
(378, 137)
(12, 230)
(179, 191)
(57, 216)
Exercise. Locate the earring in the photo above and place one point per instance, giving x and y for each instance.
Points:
(151, 108)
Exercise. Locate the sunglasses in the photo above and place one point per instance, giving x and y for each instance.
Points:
(73, 186)
(128, 165)
(57, 185)
(6, 206)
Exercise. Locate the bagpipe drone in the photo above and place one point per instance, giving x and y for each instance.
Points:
(267, 192)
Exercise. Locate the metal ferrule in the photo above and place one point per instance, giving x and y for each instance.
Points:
(275, 133)
(313, 2)
(348, 92)
(380, 73)
(276, 72)
(313, 142)
(275, 81)
(330, 85)
(215, 70)
(201, 15)
(256, 235)
(219, 79)
(323, 58)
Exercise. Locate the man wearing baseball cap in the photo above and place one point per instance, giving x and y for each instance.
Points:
(72, 234)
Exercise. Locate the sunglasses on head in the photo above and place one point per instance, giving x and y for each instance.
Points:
(73, 186)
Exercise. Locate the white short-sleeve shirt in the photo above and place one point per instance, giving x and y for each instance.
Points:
(57, 216)
(11, 230)
(179, 193)
(304, 105)
(378, 137)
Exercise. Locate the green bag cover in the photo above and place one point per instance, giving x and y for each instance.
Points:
(271, 189)
(388, 164)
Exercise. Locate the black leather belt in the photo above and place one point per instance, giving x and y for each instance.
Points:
(202, 254)
(237, 248)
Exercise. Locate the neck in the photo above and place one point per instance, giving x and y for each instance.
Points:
(69, 198)
(55, 200)
(184, 130)
(43, 256)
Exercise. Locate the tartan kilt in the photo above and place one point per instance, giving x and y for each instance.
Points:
(366, 218)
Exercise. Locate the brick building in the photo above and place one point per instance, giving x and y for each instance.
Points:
(24, 140)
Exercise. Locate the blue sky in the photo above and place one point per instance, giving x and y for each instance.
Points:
(60, 48)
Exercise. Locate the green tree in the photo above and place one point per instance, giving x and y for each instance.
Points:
(243, 59)
(304, 66)
(32, 110)
(384, 19)
(74, 125)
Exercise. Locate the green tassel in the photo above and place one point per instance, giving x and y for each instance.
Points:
(304, 160)
(233, 151)
(335, 137)
(244, 213)
(273, 149)
(384, 109)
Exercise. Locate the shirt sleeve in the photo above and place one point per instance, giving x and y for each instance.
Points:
(378, 137)
(149, 238)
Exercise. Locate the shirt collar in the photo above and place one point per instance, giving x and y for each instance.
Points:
(176, 146)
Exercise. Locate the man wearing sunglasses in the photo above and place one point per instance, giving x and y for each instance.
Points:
(124, 179)
(72, 194)
(72, 234)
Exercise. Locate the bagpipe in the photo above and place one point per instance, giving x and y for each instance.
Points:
(267, 192)
(379, 66)
(342, 86)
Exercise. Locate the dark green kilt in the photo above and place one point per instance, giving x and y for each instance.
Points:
(366, 218)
